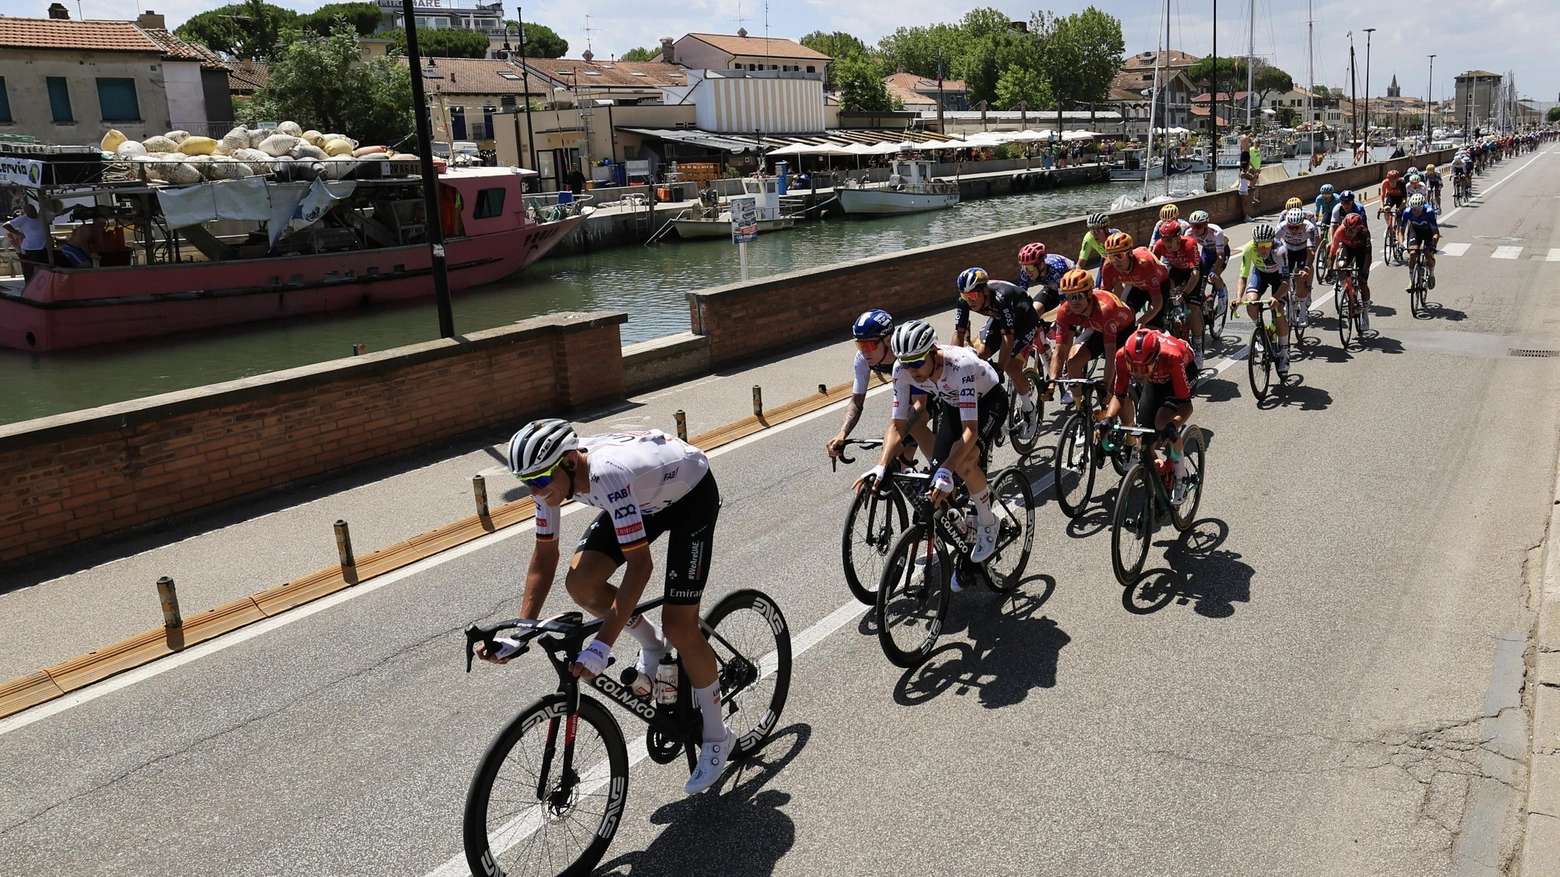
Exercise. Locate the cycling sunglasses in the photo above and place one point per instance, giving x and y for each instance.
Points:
(867, 345)
(917, 362)
(541, 479)
(1075, 296)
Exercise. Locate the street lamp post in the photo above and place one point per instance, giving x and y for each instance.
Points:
(430, 180)
(1368, 32)
(1429, 96)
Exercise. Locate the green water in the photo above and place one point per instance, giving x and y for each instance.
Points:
(646, 282)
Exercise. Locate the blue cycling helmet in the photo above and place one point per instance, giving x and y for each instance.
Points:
(972, 279)
(872, 324)
(1327, 189)
(1346, 195)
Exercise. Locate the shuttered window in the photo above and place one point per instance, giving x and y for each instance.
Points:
(117, 97)
(59, 98)
(5, 102)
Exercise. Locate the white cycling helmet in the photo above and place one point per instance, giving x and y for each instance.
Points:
(1263, 234)
(1295, 216)
(913, 339)
(539, 445)
(1416, 201)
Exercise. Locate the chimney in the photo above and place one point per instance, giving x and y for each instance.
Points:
(59, 12)
(668, 53)
(151, 19)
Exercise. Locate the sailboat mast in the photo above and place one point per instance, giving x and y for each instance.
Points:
(1251, 57)
(1310, 73)
(1165, 57)
(1153, 107)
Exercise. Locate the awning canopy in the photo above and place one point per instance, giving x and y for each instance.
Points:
(722, 142)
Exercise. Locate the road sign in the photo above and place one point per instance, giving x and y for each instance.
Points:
(744, 220)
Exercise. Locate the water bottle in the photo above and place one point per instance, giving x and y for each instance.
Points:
(1166, 472)
(666, 681)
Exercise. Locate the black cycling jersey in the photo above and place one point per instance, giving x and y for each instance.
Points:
(1008, 306)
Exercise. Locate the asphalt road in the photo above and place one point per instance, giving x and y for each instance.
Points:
(1325, 679)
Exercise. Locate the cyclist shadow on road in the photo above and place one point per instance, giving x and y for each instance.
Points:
(1012, 651)
(1199, 571)
(1296, 394)
(1434, 310)
(1216, 389)
(736, 828)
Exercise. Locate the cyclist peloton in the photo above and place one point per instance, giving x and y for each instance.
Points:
(974, 408)
(1011, 331)
(871, 331)
(1167, 213)
(1416, 186)
(1351, 246)
(1133, 275)
(1263, 267)
(1037, 268)
(1102, 316)
(645, 483)
(1183, 257)
(1162, 365)
(1300, 239)
(1422, 231)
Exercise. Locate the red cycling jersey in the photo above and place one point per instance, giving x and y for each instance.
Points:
(1349, 237)
(1174, 357)
(1393, 187)
(1110, 317)
(1147, 273)
(1183, 253)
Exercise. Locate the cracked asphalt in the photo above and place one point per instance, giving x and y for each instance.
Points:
(1330, 675)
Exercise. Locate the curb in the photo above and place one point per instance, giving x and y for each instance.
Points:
(54, 682)
(1541, 832)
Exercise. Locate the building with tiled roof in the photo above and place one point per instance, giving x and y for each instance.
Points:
(707, 51)
(625, 82)
(69, 82)
(920, 92)
(1131, 92)
(247, 76)
(196, 78)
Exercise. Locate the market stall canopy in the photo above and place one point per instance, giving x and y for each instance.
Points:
(1080, 135)
(723, 142)
(812, 149)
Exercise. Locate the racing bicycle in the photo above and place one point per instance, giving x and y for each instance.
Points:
(1148, 491)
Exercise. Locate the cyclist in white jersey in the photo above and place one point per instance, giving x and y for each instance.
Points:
(645, 483)
(1300, 238)
(871, 331)
(974, 408)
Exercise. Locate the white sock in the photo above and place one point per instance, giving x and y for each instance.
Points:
(651, 644)
(983, 513)
(1026, 403)
(709, 705)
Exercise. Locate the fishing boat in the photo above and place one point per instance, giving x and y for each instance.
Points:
(910, 188)
(282, 241)
(712, 218)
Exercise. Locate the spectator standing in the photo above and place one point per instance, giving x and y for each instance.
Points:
(35, 238)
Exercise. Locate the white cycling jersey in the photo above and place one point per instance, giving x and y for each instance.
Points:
(965, 377)
(1307, 236)
(632, 474)
(1211, 238)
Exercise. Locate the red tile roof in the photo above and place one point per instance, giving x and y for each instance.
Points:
(68, 35)
(609, 74)
(248, 76)
(928, 84)
(772, 47)
(175, 49)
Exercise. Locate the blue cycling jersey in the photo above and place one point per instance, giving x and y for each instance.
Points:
(1424, 219)
(1324, 208)
(1048, 273)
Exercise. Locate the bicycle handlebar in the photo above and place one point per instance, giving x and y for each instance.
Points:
(865, 444)
(566, 627)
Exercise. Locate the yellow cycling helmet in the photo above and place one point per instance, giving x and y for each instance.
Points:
(1293, 203)
(1169, 211)
(1120, 242)
(1077, 280)
(1429, 168)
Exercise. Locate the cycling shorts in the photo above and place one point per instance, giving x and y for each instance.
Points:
(1434, 184)
(1138, 300)
(1155, 396)
(1392, 202)
(1422, 234)
(1360, 256)
(1262, 281)
(691, 523)
(1179, 276)
(1301, 256)
(992, 416)
(991, 336)
(1093, 341)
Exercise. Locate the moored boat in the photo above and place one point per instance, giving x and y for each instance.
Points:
(220, 252)
(910, 188)
(712, 218)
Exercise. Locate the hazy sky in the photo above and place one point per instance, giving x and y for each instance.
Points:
(1502, 36)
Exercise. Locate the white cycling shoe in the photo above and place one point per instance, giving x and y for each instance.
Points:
(985, 542)
(714, 758)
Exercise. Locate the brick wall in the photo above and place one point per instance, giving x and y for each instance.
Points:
(91, 473)
(747, 320)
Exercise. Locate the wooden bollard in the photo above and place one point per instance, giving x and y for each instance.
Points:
(344, 545)
(823, 389)
(170, 603)
(359, 349)
(479, 492)
(682, 424)
(758, 401)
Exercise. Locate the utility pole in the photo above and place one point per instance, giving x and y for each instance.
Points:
(430, 179)
(1368, 32)
(525, 88)
(1354, 100)
(1429, 96)
(1211, 180)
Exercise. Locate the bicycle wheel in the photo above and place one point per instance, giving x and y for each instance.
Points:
(1072, 468)
(1259, 362)
(1215, 313)
(541, 803)
(873, 521)
(1292, 313)
(1196, 448)
(1132, 525)
(752, 646)
(1416, 295)
(1014, 505)
(912, 598)
(1024, 431)
(1345, 315)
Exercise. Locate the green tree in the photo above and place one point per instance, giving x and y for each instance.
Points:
(1268, 79)
(838, 46)
(541, 41)
(365, 18)
(919, 49)
(1287, 117)
(989, 46)
(1231, 70)
(1022, 85)
(639, 53)
(860, 86)
(250, 29)
(1553, 115)
(1080, 55)
(322, 83)
(443, 43)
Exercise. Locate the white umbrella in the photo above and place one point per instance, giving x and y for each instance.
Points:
(793, 149)
(1079, 135)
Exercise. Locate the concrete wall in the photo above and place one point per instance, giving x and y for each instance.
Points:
(186, 96)
(26, 69)
(90, 473)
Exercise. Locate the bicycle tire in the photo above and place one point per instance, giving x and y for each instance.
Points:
(1345, 315)
(1013, 501)
(1213, 322)
(864, 553)
(1416, 296)
(1016, 419)
(1292, 313)
(1072, 467)
(752, 645)
(1132, 525)
(1259, 360)
(502, 841)
(911, 606)
(1196, 449)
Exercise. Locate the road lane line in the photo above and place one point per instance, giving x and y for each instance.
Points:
(1554, 256)
(1506, 253)
(1455, 249)
(1498, 184)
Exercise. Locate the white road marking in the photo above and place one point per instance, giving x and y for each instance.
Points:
(1506, 253)
(1554, 255)
(1455, 249)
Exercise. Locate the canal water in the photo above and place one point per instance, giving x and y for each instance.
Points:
(646, 282)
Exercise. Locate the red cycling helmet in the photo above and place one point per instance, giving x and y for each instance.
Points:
(1031, 254)
(1169, 229)
(1354, 220)
(1142, 347)
(1393, 174)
